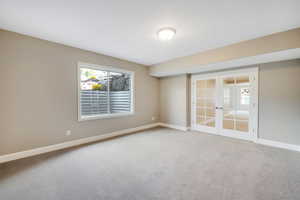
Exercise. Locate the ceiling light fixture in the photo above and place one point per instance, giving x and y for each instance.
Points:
(165, 34)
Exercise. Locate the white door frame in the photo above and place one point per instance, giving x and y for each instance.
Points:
(253, 122)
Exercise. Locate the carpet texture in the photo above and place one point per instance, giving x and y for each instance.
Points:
(160, 163)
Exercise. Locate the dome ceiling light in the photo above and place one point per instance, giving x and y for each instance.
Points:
(165, 34)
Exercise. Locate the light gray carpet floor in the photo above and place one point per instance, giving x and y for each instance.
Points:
(156, 164)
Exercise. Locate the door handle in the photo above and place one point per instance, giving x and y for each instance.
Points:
(219, 108)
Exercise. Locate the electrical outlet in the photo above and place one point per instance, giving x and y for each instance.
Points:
(153, 118)
(68, 133)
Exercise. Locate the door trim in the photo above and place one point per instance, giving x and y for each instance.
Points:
(253, 129)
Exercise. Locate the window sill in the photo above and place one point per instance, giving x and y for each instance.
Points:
(104, 116)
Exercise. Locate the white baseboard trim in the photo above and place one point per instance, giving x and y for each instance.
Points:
(265, 142)
(281, 145)
(41, 150)
(182, 128)
(55, 147)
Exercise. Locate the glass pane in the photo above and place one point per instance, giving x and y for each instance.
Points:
(210, 103)
(201, 84)
(208, 93)
(200, 120)
(201, 111)
(201, 102)
(228, 124)
(210, 122)
(211, 83)
(228, 103)
(210, 112)
(242, 126)
(205, 102)
(228, 114)
(245, 95)
(243, 103)
(201, 93)
(242, 79)
(242, 115)
(93, 92)
(119, 92)
(236, 101)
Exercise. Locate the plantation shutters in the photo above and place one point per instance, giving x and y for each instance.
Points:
(104, 92)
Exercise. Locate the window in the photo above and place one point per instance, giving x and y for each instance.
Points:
(104, 92)
(245, 96)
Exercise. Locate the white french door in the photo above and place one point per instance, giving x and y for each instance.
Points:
(225, 103)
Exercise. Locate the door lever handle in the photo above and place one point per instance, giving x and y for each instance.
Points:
(219, 108)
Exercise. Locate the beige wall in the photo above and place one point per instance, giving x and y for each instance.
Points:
(268, 44)
(279, 101)
(38, 101)
(38, 87)
(174, 100)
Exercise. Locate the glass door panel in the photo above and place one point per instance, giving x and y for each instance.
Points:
(228, 103)
(206, 103)
(236, 103)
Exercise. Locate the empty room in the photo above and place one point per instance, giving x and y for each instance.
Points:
(150, 100)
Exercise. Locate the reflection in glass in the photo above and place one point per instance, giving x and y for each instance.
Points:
(236, 101)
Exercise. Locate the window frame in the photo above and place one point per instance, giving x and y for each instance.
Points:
(108, 69)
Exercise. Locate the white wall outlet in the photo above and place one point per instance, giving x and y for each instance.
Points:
(68, 133)
(153, 118)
